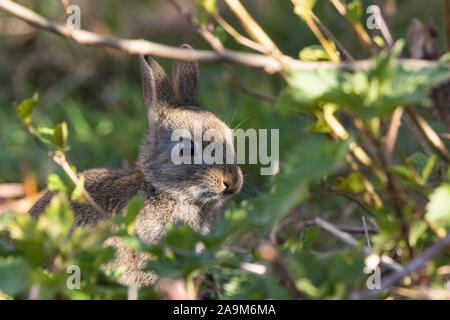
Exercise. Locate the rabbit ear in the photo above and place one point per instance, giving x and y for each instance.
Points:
(156, 87)
(185, 81)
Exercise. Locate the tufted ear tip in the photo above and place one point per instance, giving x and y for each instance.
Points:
(185, 81)
(186, 46)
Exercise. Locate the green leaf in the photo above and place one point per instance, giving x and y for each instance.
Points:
(313, 53)
(77, 193)
(354, 10)
(416, 231)
(25, 108)
(134, 207)
(404, 173)
(58, 218)
(303, 8)
(13, 275)
(375, 93)
(438, 209)
(428, 168)
(419, 159)
(208, 5)
(55, 184)
(60, 134)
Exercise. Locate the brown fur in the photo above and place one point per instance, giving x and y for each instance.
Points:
(190, 193)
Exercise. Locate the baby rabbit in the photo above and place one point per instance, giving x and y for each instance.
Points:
(192, 193)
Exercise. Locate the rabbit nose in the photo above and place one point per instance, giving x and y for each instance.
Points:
(228, 188)
(232, 181)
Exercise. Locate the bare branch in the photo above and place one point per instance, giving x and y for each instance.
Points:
(430, 135)
(140, 46)
(384, 28)
(346, 55)
(347, 238)
(252, 27)
(271, 255)
(412, 266)
(361, 33)
(60, 159)
(244, 88)
(392, 133)
(237, 36)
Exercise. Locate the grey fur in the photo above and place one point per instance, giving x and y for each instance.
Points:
(190, 193)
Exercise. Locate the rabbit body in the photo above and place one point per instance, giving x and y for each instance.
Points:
(192, 193)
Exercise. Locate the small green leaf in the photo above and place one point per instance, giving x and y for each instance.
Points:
(60, 135)
(416, 231)
(208, 5)
(438, 209)
(134, 207)
(303, 8)
(419, 159)
(55, 184)
(25, 108)
(355, 11)
(13, 275)
(313, 53)
(77, 193)
(429, 168)
(404, 173)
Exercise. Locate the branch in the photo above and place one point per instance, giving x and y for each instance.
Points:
(237, 36)
(384, 28)
(249, 91)
(414, 265)
(347, 238)
(361, 33)
(430, 135)
(270, 254)
(391, 136)
(140, 46)
(252, 27)
(60, 159)
(346, 55)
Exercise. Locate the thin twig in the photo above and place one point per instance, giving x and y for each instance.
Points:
(390, 183)
(347, 238)
(271, 255)
(384, 29)
(60, 159)
(430, 135)
(346, 55)
(361, 33)
(217, 45)
(237, 36)
(419, 138)
(414, 265)
(252, 27)
(252, 92)
(347, 229)
(350, 197)
(366, 233)
(391, 137)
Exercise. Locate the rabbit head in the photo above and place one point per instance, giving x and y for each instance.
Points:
(174, 105)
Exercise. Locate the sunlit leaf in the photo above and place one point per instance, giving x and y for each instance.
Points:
(438, 209)
(60, 134)
(25, 108)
